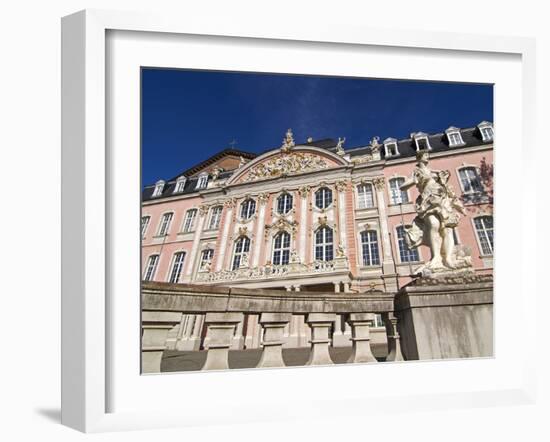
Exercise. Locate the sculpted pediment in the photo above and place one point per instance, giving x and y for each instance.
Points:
(284, 164)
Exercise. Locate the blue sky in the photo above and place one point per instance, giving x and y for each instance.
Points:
(188, 115)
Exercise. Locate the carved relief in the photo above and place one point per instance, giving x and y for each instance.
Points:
(203, 209)
(379, 183)
(263, 197)
(304, 191)
(285, 165)
(230, 203)
(281, 225)
(341, 186)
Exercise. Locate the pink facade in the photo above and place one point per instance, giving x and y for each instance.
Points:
(302, 171)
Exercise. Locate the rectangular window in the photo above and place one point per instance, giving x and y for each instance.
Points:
(189, 222)
(398, 196)
(177, 266)
(484, 230)
(369, 243)
(405, 254)
(144, 224)
(215, 218)
(165, 224)
(365, 195)
(470, 179)
(151, 268)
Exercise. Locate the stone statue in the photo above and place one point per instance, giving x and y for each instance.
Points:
(375, 145)
(438, 210)
(339, 147)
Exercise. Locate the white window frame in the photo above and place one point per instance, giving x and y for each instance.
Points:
(180, 184)
(286, 196)
(478, 238)
(145, 221)
(397, 241)
(464, 169)
(246, 240)
(215, 217)
(168, 224)
(484, 126)
(281, 249)
(454, 132)
(419, 136)
(247, 209)
(159, 187)
(402, 192)
(388, 142)
(361, 196)
(324, 189)
(204, 258)
(323, 244)
(369, 244)
(202, 181)
(151, 268)
(189, 220)
(176, 266)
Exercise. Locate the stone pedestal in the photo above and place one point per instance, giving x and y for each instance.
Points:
(360, 327)
(442, 318)
(155, 330)
(220, 331)
(274, 325)
(320, 324)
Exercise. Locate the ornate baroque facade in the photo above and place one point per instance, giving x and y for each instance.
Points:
(312, 216)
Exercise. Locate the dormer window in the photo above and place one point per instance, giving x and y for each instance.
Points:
(421, 140)
(486, 130)
(454, 137)
(159, 187)
(202, 182)
(390, 147)
(180, 184)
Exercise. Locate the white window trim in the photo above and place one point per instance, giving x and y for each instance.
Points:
(398, 252)
(421, 136)
(169, 225)
(200, 263)
(192, 226)
(144, 232)
(159, 188)
(155, 268)
(240, 211)
(456, 131)
(479, 248)
(314, 197)
(292, 205)
(486, 125)
(202, 178)
(360, 255)
(173, 262)
(478, 171)
(314, 243)
(210, 217)
(282, 248)
(358, 197)
(180, 182)
(390, 199)
(235, 253)
(389, 142)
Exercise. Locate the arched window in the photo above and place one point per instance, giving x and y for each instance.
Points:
(206, 258)
(248, 208)
(405, 254)
(180, 184)
(323, 198)
(470, 180)
(151, 268)
(365, 196)
(165, 224)
(159, 187)
(242, 247)
(215, 217)
(177, 266)
(398, 196)
(484, 230)
(324, 245)
(144, 224)
(281, 249)
(284, 203)
(189, 221)
(369, 245)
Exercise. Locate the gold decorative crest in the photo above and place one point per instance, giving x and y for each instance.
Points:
(286, 164)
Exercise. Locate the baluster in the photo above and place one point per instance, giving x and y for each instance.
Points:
(220, 330)
(360, 336)
(394, 343)
(273, 325)
(320, 324)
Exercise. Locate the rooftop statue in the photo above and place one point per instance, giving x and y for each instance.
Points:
(438, 210)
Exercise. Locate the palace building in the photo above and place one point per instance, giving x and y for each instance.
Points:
(315, 216)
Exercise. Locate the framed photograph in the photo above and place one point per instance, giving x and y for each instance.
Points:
(266, 210)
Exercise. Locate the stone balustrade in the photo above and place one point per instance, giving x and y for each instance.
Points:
(224, 308)
(273, 271)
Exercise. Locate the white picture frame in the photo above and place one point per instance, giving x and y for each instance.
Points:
(87, 211)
